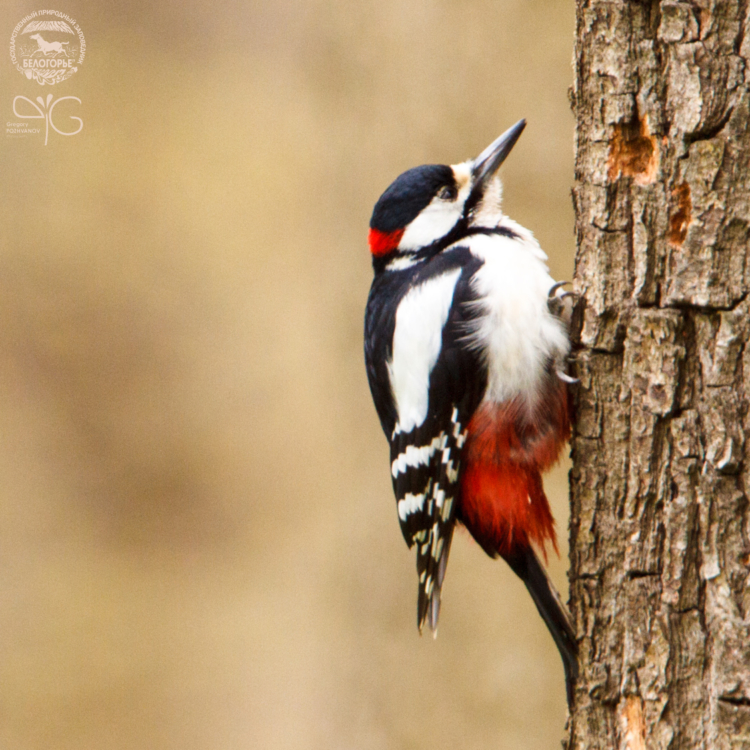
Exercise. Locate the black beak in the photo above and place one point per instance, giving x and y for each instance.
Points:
(489, 161)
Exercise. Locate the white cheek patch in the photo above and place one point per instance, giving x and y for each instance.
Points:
(434, 222)
(417, 339)
(440, 216)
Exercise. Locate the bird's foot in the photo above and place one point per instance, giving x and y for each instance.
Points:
(561, 302)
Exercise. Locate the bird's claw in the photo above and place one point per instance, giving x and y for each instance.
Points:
(560, 303)
(558, 285)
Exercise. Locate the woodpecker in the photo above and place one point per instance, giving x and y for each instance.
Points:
(466, 342)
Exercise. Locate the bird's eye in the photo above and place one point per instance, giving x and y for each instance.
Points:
(447, 193)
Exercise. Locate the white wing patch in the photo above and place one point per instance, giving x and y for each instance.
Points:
(417, 338)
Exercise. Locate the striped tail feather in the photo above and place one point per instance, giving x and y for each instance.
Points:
(431, 572)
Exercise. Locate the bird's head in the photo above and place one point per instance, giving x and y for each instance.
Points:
(430, 207)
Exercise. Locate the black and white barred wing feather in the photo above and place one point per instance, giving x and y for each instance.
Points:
(426, 384)
(425, 467)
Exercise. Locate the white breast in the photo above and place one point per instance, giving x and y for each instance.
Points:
(417, 338)
(515, 330)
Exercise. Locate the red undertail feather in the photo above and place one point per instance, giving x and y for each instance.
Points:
(508, 447)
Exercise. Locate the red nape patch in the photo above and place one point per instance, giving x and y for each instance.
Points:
(382, 243)
(503, 503)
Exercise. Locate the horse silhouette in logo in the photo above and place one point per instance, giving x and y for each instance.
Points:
(54, 48)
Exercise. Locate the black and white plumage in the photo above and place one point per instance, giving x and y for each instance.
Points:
(465, 347)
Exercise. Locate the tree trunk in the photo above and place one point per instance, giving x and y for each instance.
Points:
(660, 526)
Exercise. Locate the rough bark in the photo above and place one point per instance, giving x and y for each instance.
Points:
(660, 527)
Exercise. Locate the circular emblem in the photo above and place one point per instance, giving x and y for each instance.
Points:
(47, 46)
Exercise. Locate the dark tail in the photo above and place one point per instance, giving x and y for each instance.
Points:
(525, 564)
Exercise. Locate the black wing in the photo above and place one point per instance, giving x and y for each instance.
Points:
(426, 462)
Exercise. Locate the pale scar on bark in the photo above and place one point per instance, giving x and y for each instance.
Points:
(680, 219)
(633, 152)
(632, 724)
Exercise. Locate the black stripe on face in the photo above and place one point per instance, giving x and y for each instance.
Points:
(408, 194)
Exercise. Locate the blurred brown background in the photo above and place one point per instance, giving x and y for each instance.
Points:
(199, 547)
